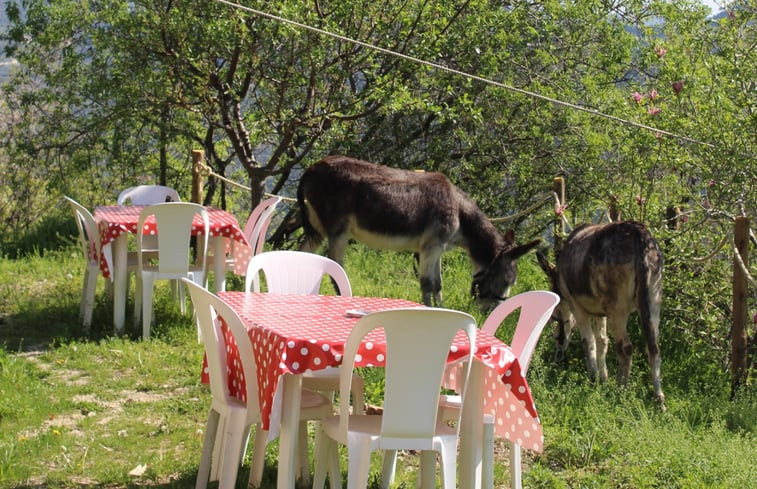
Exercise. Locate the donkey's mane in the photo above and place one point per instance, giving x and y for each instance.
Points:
(481, 237)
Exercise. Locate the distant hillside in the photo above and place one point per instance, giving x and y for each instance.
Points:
(5, 64)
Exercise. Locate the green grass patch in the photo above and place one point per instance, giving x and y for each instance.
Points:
(80, 410)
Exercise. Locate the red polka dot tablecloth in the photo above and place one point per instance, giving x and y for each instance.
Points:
(297, 333)
(113, 221)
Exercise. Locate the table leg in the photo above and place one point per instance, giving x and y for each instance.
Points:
(471, 430)
(290, 421)
(120, 274)
(219, 263)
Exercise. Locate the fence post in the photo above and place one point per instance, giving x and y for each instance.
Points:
(197, 175)
(558, 187)
(614, 211)
(739, 331)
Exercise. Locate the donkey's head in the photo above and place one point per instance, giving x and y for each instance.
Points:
(561, 314)
(491, 285)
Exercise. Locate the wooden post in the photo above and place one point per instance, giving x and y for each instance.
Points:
(198, 175)
(558, 187)
(614, 212)
(739, 330)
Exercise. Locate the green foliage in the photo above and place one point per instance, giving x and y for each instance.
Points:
(114, 93)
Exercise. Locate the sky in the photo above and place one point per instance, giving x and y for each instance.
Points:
(713, 5)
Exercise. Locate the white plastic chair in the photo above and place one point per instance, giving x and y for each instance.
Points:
(257, 224)
(418, 342)
(174, 229)
(254, 230)
(148, 195)
(298, 272)
(536, 308)
(89, 238)
(228, 413)
(294, 272)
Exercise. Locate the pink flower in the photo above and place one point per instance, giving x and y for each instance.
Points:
(653, 94)
(677, 86)
(653, 110)
(660, 52)
(560, 209)
(712, 183)
(658, 135)
(684, 219)
(637, 97)
(640, 200)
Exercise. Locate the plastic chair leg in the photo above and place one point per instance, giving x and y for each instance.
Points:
(147, 309)
(302, 455)
(88, 297)
(427, 475)
(359, 466)
(258, 457)
(388, 466)
(203, 473)
(487, 462)
(515, 468)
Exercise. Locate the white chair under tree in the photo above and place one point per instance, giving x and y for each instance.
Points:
(89, 238)
(147, 195)
(254, 230)
(418, 341)
(298, 272)
(174, 221)
(234, 417)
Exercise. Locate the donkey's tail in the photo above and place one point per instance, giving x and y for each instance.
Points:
(649, 263)
(312, 238)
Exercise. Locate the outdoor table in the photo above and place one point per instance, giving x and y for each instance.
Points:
(115, 223)
(292, 334)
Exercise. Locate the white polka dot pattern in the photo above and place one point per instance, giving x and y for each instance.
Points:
(297, 333)
(116, 220)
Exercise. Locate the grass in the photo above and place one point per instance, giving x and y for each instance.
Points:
(100, 410)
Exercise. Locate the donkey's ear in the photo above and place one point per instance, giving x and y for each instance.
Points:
(517, 251)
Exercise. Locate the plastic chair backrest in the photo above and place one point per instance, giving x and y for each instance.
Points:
(418, 343)
(89, 235)
(257, 224)
(295, 272)
(174, 224)
(148, 195)
(210, 309)
(536, 308)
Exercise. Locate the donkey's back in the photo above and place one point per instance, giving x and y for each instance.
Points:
(383, 207)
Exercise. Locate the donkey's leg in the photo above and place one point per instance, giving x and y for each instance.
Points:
(338, 247)
(588, 343)
(599, 326)
(430, 270)
(623, 346)
(651, 332)
(565, 325)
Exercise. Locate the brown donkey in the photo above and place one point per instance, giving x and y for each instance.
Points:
(401, 210)
(603, 274)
